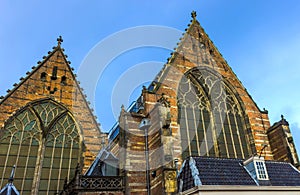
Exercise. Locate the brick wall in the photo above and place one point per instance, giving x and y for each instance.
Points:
(282, 143)
(195, 50)
(32, 88)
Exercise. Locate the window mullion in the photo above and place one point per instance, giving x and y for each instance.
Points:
(51, 165)
(204, 133)
(70, 159)
(223, 131)
(38, 168)
(6, 160)
(196, 132)
(231, 135)
(187, 131)
(239, 137)
(61, 161)
(26, 164)
(19, 148)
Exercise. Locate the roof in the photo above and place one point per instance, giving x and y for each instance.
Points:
(282, 174)
(221, 171)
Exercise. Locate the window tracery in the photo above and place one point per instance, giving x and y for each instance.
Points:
(43, 141)
(210, 117)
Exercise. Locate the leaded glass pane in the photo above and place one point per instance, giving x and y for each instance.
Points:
(210, 117)
(19, 146)
(22, 145)
(60, 160)
(48, 111)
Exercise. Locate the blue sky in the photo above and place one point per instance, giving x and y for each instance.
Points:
(259, 39)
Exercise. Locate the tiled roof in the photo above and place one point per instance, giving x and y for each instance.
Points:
(282, 174)
(217, 171)
(221, 171)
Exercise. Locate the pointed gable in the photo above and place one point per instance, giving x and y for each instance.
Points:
(196, 49)
(54, 78)
(196, 54)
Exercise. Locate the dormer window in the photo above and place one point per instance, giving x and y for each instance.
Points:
(256, 167)
(261, 170)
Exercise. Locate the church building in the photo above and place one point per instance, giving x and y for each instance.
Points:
(194, 116)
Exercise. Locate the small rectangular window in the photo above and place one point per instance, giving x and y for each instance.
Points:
(261, 170)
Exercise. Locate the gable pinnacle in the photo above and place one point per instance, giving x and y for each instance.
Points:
(59, 40)
(11, 178)
(194, 15)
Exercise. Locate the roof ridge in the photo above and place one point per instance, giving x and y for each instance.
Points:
(219, 158)
(277, 162)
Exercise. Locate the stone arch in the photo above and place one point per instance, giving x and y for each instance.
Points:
(211, 116)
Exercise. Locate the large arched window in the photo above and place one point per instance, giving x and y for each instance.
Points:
(210, 117)
(43, 141)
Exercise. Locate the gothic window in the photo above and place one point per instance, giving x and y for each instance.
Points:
(42, 140)
(210, 117)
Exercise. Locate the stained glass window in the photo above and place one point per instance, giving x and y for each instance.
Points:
(42, 140)
(210, 117)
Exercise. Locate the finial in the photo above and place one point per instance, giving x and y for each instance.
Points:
(59, 40)
(282, 117)
(144, 88)
(194, 14)
(11, 178)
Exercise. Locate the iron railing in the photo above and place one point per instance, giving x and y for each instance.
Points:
(82, 183)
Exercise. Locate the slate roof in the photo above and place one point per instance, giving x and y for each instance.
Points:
(221, 171)
(282, 174)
